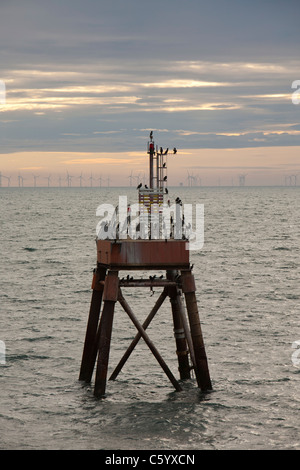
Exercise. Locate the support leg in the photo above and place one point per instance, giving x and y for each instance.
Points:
(105, 330)
(179, 333)
(201, 370)
(89, 350)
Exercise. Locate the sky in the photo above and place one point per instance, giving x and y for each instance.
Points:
(86, 81)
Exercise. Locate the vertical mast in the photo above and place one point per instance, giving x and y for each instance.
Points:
(151, 153)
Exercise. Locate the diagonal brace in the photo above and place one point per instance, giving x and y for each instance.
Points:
(138, 336)
(147, 340)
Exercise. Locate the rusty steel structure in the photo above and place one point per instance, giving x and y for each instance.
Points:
(178, 284)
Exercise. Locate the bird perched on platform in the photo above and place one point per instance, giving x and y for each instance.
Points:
(174, 150)
(139, 186)
(166, 151)
(166, 191)
(151, 134)
(165, 178)
(164, 165)
(146, 186)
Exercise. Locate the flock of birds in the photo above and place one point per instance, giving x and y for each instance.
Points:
(161, 151)
(178, 201)
(129, 278)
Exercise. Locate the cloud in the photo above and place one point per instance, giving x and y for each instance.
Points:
(95, 76)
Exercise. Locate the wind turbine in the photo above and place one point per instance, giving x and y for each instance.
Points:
(138, 178)
(80, 180)
(20, 180)
(100, 181)
(7, 177)
(131, 177)
(91, 179)
(294, 178)
(189, 178)
(196, 180)
(242, 179)
(48, 178)
(34, 180)
(69, 179)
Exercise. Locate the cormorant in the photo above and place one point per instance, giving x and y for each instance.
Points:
(139, 186)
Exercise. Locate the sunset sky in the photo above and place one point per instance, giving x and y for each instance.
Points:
(86, 81)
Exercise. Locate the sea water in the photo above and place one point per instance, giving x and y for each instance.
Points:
(247, 277)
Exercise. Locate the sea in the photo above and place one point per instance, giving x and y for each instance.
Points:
(247, 277)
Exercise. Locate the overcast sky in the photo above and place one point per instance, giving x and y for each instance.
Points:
(87, 80)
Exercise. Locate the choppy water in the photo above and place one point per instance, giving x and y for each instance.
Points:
(248, 281)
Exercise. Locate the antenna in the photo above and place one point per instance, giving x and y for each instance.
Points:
(160, 156)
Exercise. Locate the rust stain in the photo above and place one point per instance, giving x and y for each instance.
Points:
(143, 253)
